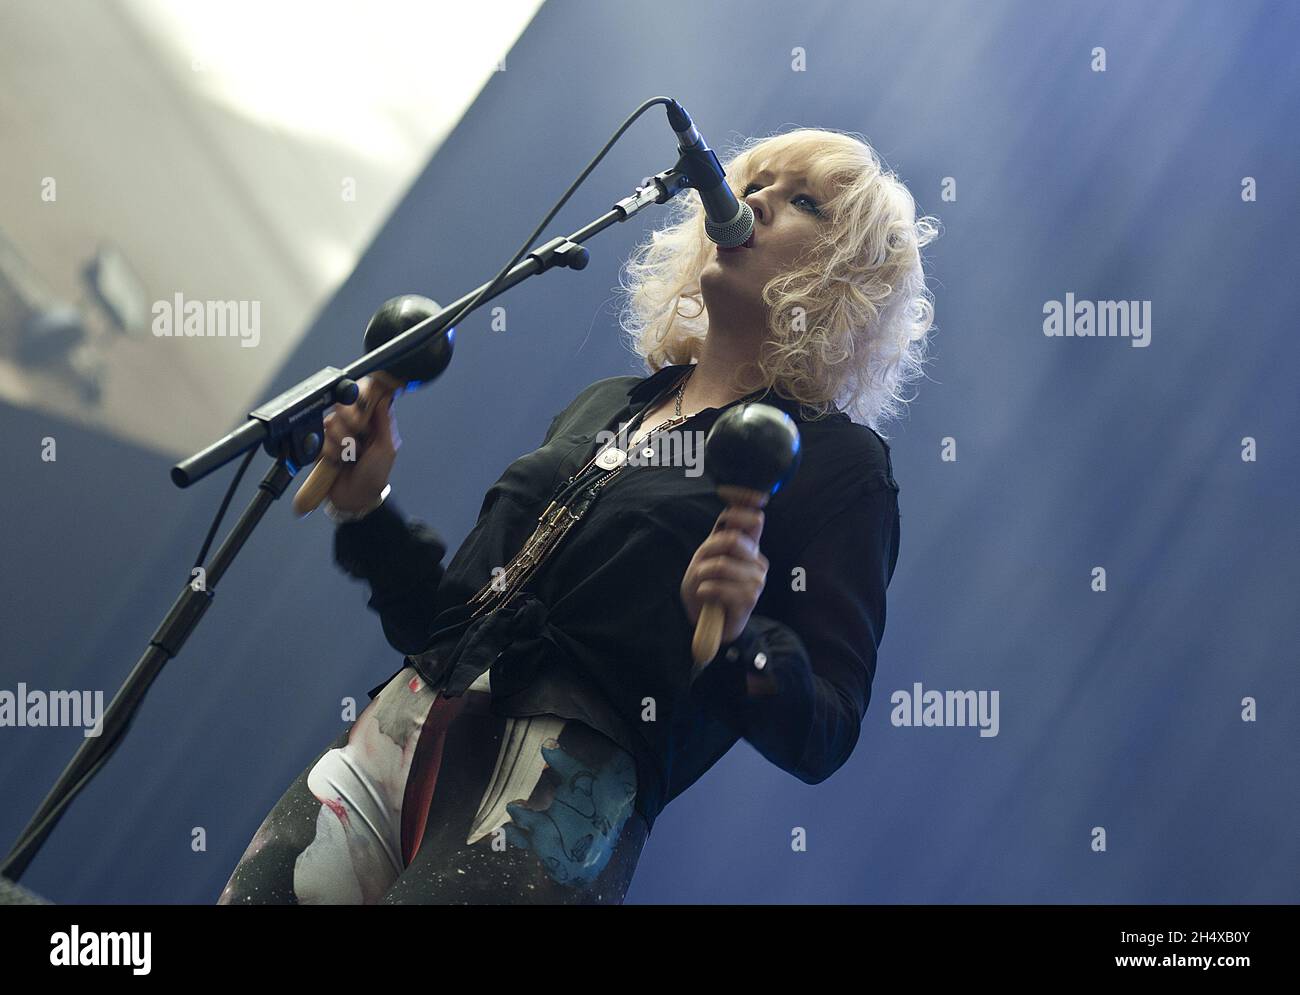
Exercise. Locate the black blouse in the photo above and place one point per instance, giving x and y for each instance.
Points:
(599, 633)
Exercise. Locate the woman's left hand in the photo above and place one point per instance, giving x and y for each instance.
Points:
(728, 569)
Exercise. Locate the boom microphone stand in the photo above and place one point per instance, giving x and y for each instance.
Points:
(290, 428)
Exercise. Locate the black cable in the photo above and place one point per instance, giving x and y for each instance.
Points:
(556, 209)
(221, 512)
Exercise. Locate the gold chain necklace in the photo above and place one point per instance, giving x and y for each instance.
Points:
(555, 522)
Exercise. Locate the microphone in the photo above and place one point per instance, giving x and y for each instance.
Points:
(728, 221)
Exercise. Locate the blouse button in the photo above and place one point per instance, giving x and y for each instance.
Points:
(733, 653)
(760, 661)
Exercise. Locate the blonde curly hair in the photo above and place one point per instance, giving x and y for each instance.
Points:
(847, 328)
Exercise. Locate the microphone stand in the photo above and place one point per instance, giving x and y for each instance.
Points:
(291, 429)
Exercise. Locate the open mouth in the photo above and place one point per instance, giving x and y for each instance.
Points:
(747, 244)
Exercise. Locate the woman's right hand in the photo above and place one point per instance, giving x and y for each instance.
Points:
(361, 440)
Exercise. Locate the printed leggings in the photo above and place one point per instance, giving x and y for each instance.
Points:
(434, 800)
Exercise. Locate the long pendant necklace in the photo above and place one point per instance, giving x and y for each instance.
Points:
(567, 508)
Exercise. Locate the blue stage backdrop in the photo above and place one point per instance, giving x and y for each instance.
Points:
(1161, 711)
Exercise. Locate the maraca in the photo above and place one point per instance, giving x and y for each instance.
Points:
(750, 452)
(394, 317)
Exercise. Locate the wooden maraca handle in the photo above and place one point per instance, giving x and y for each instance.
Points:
(708, 633)
(708, 629)
(321, 479)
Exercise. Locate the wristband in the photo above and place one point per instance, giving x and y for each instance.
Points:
(339, 516)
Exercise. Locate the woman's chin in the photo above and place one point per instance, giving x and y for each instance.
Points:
(718, 274)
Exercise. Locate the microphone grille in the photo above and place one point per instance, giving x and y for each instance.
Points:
(730, 234)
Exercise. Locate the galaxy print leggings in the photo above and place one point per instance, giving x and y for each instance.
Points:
(434, 800)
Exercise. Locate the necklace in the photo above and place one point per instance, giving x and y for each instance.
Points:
(613, 457)
(565, 510)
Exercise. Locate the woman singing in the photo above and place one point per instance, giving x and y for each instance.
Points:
(546, 711)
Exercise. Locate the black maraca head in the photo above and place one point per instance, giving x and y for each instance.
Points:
(395, 316)
(752, 445)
